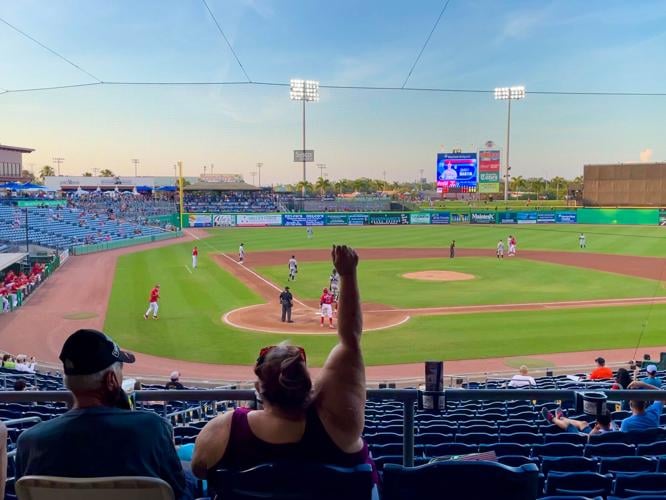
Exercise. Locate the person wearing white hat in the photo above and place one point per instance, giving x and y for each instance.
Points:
(174, 382)
(652, 378)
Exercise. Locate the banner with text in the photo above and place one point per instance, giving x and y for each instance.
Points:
(489, 171)
(303, 220)
(224, 220)
(388, 219)
(258, 220)
(419, 218)
(200, 220)
(440, 218)
(566, 217)
(336, 220)
(482, 218)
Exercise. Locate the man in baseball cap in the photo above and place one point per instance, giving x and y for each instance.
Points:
(652, 378)
(99, 437)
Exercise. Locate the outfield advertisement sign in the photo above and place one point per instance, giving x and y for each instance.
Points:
(566, 217)
(303, 220)
(459, 218)
(440, 218)
(388, 219)
(357, 219)
(224, 220)
(489, 171)
(482, 218)
(258, 220)
(200, 220)
(526, 217)
(507, 218)
(419, 218)
(546, 218)
(336, 220)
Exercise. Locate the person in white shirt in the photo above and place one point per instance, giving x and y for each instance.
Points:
(522, 379)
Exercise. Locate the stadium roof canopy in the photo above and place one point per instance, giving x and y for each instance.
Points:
(221, 186)
(7, 259)
(16, 148)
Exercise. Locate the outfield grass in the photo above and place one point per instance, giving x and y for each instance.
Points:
(190, 325)
(506, 281)
(628, 240)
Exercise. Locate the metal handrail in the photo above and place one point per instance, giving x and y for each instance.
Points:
(406, 396)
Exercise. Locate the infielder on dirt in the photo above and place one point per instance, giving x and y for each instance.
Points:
(326, 303)
(293, 268)
(153, 306)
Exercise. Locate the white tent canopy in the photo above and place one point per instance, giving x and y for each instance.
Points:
(7, 259)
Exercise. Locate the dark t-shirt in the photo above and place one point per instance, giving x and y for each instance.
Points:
(174, 384)
(102, 442)
(286, 298)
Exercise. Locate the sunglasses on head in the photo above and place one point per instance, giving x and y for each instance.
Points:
(265, 350)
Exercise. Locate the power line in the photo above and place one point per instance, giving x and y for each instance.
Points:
(418, 58)
(219, 28)
(57, 54)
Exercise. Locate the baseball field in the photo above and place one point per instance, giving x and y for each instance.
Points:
(552, 297)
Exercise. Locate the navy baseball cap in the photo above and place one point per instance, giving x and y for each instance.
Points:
(90, 351)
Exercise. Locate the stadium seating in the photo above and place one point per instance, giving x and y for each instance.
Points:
(108, 488)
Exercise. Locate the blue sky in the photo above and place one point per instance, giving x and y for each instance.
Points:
(479, 44)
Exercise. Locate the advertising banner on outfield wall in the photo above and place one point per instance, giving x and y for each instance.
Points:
(224, 220)
(460, 218)
(200, 220)
(545, 218)
(662, 217)
(388, 219)
(526, 217)
(357, 219)
(565, 217)
(440, 218)
(507, 217)
(419, 218)
(482, 218)
(336, 220)
(303, 220)
(258, 220)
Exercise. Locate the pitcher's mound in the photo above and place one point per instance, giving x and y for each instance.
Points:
(438, 276)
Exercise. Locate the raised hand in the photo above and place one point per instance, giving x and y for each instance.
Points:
(345, 259)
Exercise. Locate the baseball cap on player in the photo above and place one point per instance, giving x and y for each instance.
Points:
(651, 369)
(90, 351)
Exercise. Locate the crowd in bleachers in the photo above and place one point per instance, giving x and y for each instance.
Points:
(131, 207)
(230, 201)
(16, 285)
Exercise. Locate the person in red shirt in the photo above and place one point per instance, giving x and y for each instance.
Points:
(153, 306)
(195, 255)
(326, 303)
(601, 371)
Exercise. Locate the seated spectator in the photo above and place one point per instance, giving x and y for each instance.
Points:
(602, 425)
(652, 378)
(8, 361)
(601, 371)
(323, 425)
(622, 381)
(25, 365)
(643, 416)
(99, 437)
(174, 382)
(522, 379)
(20, 384)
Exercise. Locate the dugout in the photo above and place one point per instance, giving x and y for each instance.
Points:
(625, 184)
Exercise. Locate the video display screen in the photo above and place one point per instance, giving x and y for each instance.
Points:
(457, 170)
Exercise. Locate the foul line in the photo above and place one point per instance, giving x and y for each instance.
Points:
(192, 235)
(188, 269)
(262, 278)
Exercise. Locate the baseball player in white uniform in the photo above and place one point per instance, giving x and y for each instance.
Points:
(500, 249)
(293, 268)
(241, 253)
(195, 257)
(581, 240)
(334, 286)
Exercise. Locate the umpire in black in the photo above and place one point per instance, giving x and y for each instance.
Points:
(286, 300)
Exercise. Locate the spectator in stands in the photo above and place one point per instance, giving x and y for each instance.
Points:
(99, 437)
(601, 371)
(8, 361)
(652, 378)
(522, 379)
(174, 382)
(25, 365)
(622, 381)
(602, 425)
(20, 385)
(643, 416)
(322, 425)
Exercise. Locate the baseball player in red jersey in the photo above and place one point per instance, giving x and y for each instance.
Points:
(326, 304)
(195, 255)
(153, 306)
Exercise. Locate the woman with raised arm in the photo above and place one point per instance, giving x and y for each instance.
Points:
(319, 423)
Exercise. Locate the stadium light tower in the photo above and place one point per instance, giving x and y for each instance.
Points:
(508, 94)
(304, 90)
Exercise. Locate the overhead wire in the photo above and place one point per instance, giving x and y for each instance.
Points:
(418, 57)
(52, 51)
(219, 28)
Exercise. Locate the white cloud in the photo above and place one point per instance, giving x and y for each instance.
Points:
(646, 155)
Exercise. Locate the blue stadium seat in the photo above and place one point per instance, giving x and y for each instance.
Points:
(653, 449)
(566, 437)
(517, 460)
(395, 459)
(557, 450)
(383, 438)
(641, 483)
(570, 497)
(444, 450)
(646, 437)
(578, 483)
(628, 464)
(458, 479)
(521, 438)
(501, 449)
(289, 481)
(610, 450)
(476, 438)
(512, 428)
(568, 464)
(433, 438)
(609, 437)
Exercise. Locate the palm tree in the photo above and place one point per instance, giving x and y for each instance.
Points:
(323, 185)
(106, 173)
(304, 185)
(46, 171)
